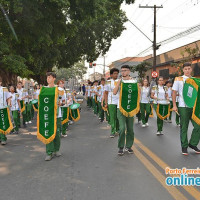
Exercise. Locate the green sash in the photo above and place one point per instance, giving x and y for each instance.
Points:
(75, 114)
(47, 114)
(23, 107)
(5, 121)
(65, 114)
(196, 110)
(129, 100)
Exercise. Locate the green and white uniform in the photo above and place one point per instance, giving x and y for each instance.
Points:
(145, 107)
(112, 105)
(185, 116)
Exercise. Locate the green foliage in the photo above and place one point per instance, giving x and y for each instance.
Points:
(188, 55)
(141, 69)
(57, 33)
(76, 71)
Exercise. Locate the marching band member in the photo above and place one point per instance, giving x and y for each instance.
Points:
(4, 102)
(185, 113)
(23, 95)
(88, 95)
(125, 122)
(37, 91)
(160, 95)
(100, 94)
(169, 90)
(111, 101)
(94, 96)
(53, 148)
(145, 107)
(15, 108)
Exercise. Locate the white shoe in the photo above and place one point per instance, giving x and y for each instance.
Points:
(147, 124)
(143, 125)
(30, 122)
(161, 133)
(158, 133)
(26, 122)
(64, 135)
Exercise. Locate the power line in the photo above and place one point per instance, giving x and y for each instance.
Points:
(175, 37)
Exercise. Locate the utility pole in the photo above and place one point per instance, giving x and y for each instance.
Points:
(155, 47)
(104, 66)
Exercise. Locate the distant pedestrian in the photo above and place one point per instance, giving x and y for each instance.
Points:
(83, 89)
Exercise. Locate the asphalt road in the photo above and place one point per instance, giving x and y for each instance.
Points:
(90, 169)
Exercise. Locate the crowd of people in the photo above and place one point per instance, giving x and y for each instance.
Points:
(22, 106)
(162, 98)
(105, 99)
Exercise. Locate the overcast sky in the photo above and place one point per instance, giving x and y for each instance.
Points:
(174, 17)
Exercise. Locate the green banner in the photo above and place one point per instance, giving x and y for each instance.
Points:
(47, 114)
(195, 82)
(5, 121)
(65, 114)
(23, 107)
(75, 114)
(163, 111)
(129, 100)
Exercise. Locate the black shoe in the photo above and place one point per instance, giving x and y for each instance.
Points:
(121, 152)
(194, 148)
(184, 151)
(129, 150)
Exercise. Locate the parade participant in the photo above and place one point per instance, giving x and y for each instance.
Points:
(94, 96)
(185, 113)
(70, 99)
(145, 107)
(160, 95)
(177, 115)
(23, 95)
(169, 90)
(60, 85)
(111, 101)
(15, 108)
(100, 103)
(4, 102)
(139, 116)
(53, 148)
(88, 95)
(37, 91)
(83, 89)
(128, 106)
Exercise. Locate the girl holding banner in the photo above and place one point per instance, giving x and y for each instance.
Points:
(145, 107)
(160, 95)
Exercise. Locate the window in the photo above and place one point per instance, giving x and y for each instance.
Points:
(164, 73)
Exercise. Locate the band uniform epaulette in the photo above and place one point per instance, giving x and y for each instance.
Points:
(61, 92)
(92, 87)
(108, 82)
(154, 87)
(99, 88)
(180, 78)
(5, 89)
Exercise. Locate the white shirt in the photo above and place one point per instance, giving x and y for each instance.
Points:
(94, 90)
(88, 91)
(178, 86)
(112, 99)
(37, 92)
(22, 94)
(144, 95)
(3, 97)
(159, 93)
(14, 102)
(62, 99)
(101, 92)
(169, 92)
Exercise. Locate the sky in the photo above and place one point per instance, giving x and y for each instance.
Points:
(174, 17)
